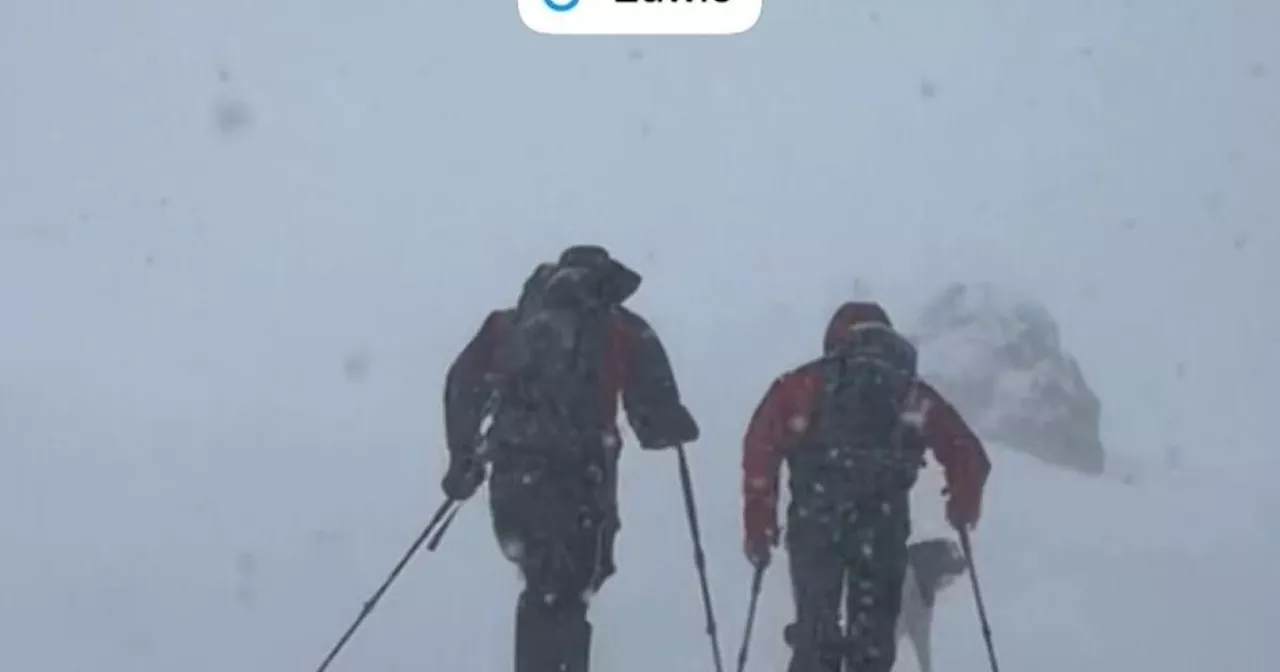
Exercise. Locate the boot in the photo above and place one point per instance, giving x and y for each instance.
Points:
(810, 653)
(576, 644)
(536, 647)
(552, 637)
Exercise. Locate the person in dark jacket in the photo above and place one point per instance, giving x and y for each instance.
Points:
(849, 520)
(554, 455)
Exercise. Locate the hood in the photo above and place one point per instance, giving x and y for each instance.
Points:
(613, 281)
(849, 315)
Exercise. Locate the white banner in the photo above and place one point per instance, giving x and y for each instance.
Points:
(640, 17)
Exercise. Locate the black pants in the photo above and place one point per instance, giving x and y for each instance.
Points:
(858, 554)
(557, 522)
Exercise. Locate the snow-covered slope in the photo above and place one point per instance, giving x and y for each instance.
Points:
(1174, 573)
(1171, 573)
(1079, 573)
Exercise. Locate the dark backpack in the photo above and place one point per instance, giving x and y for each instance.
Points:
(858, 442)
(552, 359)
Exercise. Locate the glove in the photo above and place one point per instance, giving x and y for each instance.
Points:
(759, 549)
(668, 429)
(463, 478)
(963, 510)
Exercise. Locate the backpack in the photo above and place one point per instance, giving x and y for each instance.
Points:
(858, 442)
(552, 359)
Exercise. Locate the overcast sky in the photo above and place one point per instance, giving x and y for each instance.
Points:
(240, 242)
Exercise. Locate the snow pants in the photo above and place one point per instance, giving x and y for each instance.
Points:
(855, 558)
(557, 523)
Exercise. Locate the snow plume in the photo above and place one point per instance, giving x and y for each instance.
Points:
(998, 356)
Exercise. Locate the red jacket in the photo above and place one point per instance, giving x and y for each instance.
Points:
(780, 419)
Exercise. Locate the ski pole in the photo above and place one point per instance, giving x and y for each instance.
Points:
(445, 508)
(699, 560)
(444, 527)
(757, 580)
(977, 596)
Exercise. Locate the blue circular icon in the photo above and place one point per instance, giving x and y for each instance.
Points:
(562, 6)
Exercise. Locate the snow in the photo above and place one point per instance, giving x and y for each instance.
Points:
(1078, 571)
(1117, 577)
(989, 319)
(986, 319)
(998, 354)
(193, 476)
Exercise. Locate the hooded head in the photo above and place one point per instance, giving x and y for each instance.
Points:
(610, 281)
(848, 316)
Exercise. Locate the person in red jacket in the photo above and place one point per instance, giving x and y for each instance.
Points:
(853, 428)
(549, 373)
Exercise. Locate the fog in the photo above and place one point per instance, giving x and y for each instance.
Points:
(240, 243)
